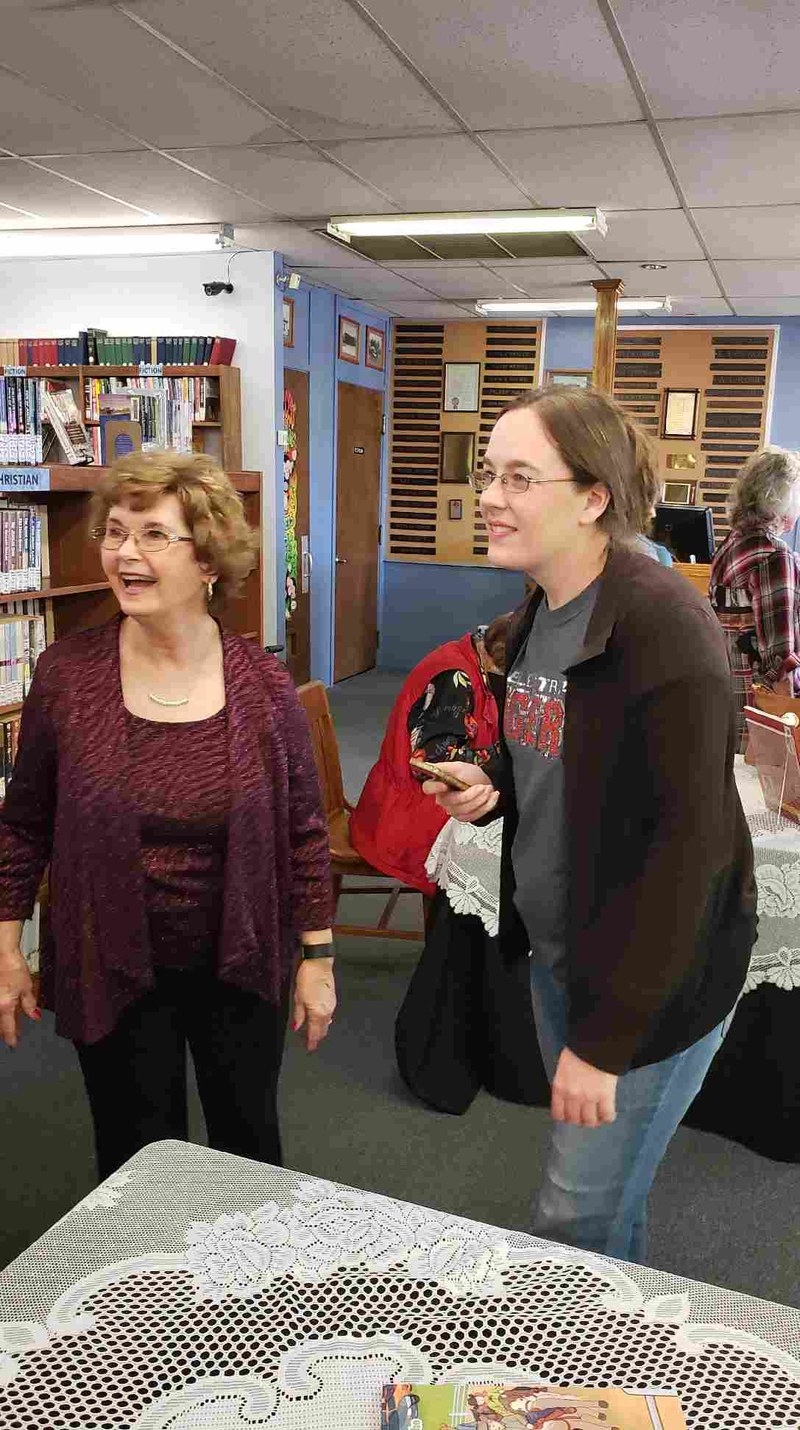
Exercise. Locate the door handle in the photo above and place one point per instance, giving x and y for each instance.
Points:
(306, 565)
(341, 560)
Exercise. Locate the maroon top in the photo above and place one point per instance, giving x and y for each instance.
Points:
(70, 803)
(180, 791)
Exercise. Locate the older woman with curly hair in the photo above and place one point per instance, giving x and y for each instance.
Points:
(165, 774)
(755, 577)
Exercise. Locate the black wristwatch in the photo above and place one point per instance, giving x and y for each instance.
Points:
(317, 950)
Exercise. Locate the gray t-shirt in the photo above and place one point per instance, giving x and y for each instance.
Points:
(534, 731)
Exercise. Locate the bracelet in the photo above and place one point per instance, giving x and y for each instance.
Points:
(317, 950)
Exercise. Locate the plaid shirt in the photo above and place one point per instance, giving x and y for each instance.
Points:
(755, 571)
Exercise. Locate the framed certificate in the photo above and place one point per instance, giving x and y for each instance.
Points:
(461, 385)
(680, 412)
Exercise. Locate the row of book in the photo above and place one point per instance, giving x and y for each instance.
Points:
(95, 346)
(201, 394)
(9, 737)
(22, 640)
(23, 539)
(21, 411)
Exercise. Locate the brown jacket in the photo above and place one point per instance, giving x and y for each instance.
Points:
(661, 895)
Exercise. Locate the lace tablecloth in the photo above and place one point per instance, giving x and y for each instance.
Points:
(752, 1092)
(198, 1291)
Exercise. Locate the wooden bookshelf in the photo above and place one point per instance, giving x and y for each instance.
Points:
(221, 438)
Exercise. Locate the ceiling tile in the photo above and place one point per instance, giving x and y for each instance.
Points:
(530, 275)
(44, 195)
(463, 281)
(760, 280)
(167, 189)
(739, 233)
(290, 179)
(299, 246)
(679, 280)
(368, 282)
(722, 57)
(645, 236)
(615, 166)
(106, 64)
(34, 123)
(315, 63)
(721, 161)
(434, 312)
(514, 66)
(449, 172)
(767, 307)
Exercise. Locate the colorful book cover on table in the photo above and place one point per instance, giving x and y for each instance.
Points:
(516, 1407)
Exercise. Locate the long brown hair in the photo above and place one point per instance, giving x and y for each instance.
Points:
(599, 442)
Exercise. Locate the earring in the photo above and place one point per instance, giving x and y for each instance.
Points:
(210, 590)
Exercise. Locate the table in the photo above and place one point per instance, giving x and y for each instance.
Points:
(752, 1091)
(198, 1291)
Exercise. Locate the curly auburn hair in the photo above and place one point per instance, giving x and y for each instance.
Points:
(212, 508)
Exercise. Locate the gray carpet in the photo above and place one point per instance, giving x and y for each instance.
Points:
(719, 1212)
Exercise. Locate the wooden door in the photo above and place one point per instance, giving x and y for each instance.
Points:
(358, 486)
(296, 516)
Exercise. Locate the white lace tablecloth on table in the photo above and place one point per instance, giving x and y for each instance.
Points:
(198, 1291)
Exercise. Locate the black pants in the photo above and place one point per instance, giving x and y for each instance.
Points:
(136, 1076)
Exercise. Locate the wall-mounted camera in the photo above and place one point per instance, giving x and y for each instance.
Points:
(212, 290)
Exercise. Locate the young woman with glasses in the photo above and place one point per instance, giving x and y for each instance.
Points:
(627, 866)
(165, 773)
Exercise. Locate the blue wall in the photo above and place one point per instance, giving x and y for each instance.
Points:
(425, 605)
(316, 327)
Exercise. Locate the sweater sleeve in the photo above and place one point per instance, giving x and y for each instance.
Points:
(312, 895)
(617, 991)
(28, 813)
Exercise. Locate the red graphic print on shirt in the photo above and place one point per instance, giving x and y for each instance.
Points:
(535, 713)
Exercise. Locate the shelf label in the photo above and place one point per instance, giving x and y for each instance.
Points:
(15, 372)
(151, 369)
(24, 479)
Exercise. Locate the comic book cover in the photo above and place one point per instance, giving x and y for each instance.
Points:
(515, 1407)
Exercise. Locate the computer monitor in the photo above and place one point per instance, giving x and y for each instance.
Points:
(686, 531)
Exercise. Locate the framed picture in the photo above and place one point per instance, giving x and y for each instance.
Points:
(680, 493)
(457, 457)
(376, 349)
(569, 377)
(455, 509)
(288, 322)
(461, 384)
(680, 412)
(349, 340)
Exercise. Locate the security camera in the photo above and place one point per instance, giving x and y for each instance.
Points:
(212, 290)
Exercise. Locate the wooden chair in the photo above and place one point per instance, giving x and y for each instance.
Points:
(344, 858)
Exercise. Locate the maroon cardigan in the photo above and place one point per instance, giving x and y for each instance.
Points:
(67, 805)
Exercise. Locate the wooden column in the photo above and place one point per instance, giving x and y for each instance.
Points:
(605, 332)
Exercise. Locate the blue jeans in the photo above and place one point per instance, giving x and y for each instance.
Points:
(597, 1179)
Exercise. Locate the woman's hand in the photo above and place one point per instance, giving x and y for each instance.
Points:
(16, 995)
(314, 999)
(582, 1094)
(466, 805)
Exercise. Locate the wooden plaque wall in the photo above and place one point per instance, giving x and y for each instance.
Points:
(420, 525)
(732, 370)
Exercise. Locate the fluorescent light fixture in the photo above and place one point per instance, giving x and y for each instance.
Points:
(490, 307)
(440, 225)
(108, 242)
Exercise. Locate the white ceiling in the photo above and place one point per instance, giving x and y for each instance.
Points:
(682, 122)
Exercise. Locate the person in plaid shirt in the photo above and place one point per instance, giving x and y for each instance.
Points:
(755, 577)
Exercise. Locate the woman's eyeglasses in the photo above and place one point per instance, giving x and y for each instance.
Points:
(151, 539)
(515, 482)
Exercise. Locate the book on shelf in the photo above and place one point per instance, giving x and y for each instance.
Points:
(516, 1407)
(61, 411)
(21, 407)
(22, 640)
(24, 555)
(95, 347)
